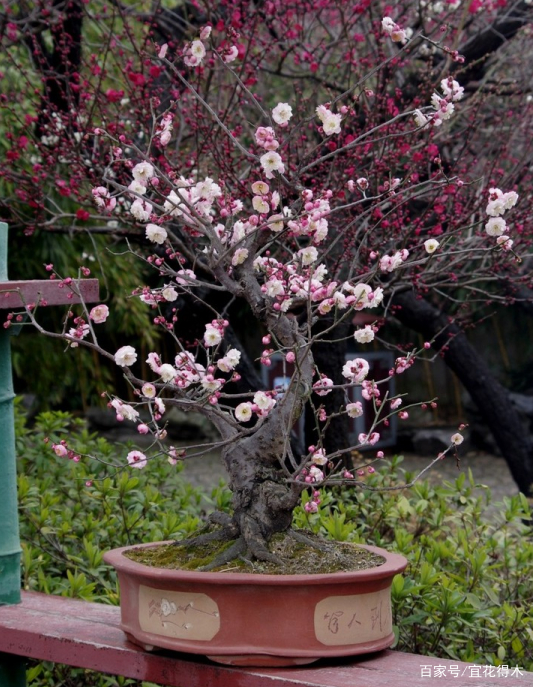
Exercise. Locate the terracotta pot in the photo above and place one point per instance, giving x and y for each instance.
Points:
(257, 620)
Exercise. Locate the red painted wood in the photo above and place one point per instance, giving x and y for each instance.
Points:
(14, 294)
(88, 635)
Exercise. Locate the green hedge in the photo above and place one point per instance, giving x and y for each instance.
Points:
(467, 593)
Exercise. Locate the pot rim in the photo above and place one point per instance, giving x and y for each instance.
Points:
(394, 563)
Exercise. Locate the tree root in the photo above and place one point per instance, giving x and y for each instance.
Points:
(224, 520)
(256, 543)
(303, 539)
(227, 532)
(230, 554)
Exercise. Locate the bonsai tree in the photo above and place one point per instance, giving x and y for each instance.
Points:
(302, 210)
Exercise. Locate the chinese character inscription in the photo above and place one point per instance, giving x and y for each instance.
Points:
(342, 620)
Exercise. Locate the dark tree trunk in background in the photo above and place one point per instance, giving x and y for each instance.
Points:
(490, 397)
(60, 66)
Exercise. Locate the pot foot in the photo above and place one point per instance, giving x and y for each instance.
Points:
(262, 660)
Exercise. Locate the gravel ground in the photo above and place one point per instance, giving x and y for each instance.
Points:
(487, 469)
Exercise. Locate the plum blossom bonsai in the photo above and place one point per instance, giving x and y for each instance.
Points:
(272, 214)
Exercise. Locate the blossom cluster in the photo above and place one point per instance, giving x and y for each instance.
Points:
(331, 123)
(396, 34)
(299, 279)
(195, 51)
(499, 203)
(443, 104)
(389, 263)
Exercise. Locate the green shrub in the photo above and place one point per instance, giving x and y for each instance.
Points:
(466, 594)
(72, 512)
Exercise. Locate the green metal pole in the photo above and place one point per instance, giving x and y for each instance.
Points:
(12, 669)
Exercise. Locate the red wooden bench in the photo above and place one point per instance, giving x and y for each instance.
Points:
(88, 635)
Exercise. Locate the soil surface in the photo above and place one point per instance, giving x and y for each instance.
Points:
(295, 551)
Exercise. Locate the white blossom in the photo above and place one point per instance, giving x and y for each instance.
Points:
(141, 210)
(431, 245)
(167, 373)
(126, 355)
(212, 336)
(271, 162)
(170, 294)
(496, 226)
(308, 255)
(282, 113)
(243, 412)
(365, 335)
(155, 233)
(143, 172)
(354, 409)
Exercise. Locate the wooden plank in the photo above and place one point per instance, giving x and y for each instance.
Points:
(14, 294)
(88, 635)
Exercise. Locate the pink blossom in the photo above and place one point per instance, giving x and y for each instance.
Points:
(160, 406)
(322, 387)
(205, 32)
(103, 199)
(403, 364)
(136, 459)
(504, 242)
(231, 54)
(266, 138)
(356, 370)
(194, 54)
(60, 450)
(99, 313)
(315, 474)
(148, 390)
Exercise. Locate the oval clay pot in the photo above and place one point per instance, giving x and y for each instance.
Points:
(257, 620)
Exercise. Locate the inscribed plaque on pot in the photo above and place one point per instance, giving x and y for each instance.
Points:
(341, 620)
(178, 614)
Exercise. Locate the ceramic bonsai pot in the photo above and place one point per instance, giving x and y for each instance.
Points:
(257, 620)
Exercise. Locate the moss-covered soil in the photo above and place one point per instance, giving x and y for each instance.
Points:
(296, 557)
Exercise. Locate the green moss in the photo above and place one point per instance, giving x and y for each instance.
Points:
(316, 557)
